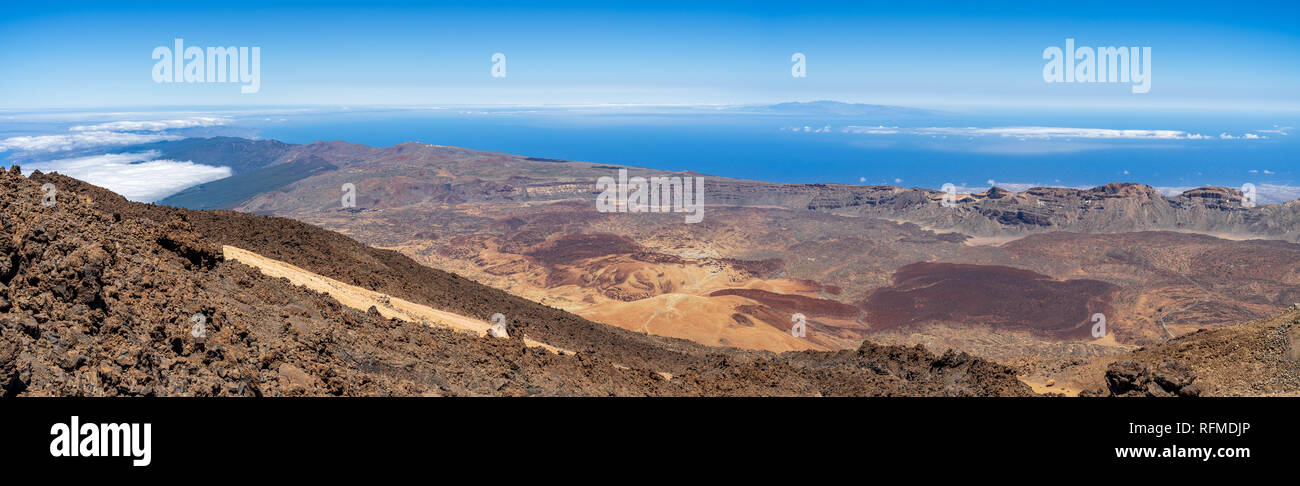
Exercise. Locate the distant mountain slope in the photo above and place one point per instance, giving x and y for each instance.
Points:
(229, 192)
(240, 154)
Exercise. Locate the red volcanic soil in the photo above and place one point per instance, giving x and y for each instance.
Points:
(811, 306)
(1002, 297)
(569, 249)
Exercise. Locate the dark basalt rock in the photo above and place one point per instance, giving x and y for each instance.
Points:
(1167, 379)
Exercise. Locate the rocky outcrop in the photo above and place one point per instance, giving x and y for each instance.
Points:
(1166, 379)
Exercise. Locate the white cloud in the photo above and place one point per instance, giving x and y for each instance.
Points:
(1050, 133)
(108, 134)
(1276, 193)
(152, 125)
(1173, 191)
(136, 176)
(1030, 132)
(964, 188)
(79, 140)
(808, 129)
(879, 130)
(1017, 186)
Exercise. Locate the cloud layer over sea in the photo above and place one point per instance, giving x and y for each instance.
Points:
(138, 176)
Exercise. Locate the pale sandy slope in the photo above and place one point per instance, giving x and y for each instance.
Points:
(362, 299)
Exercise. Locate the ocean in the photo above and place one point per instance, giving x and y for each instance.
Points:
(779, 148)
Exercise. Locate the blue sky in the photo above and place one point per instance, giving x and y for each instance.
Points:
(1223, 55)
